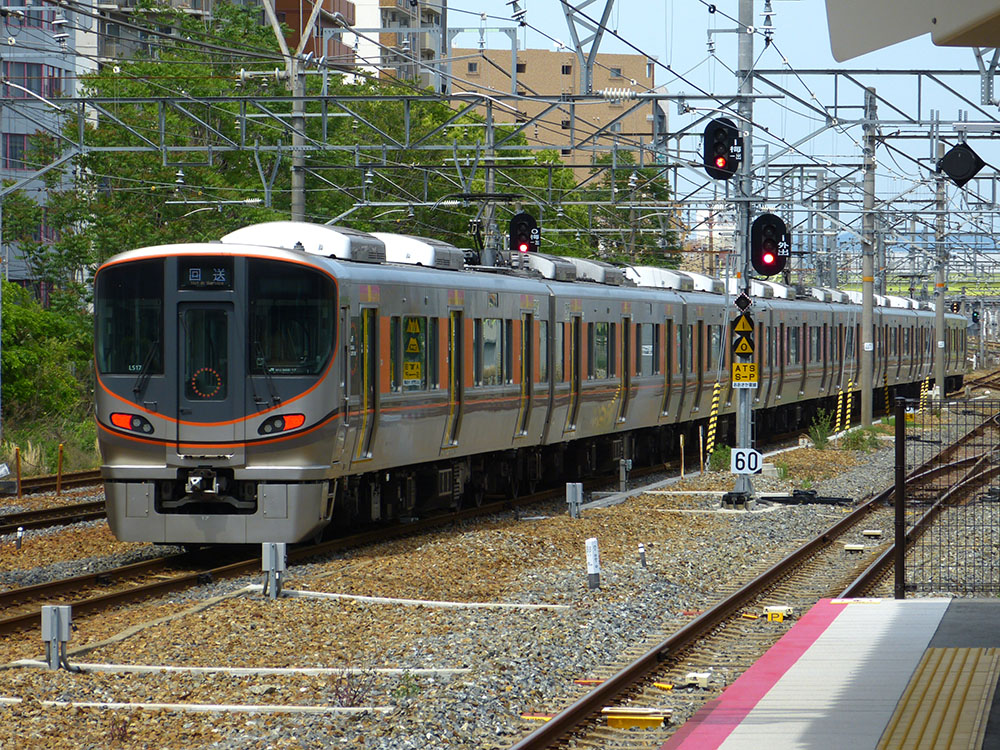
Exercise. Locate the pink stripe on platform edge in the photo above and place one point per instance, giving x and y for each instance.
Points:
(717, 719)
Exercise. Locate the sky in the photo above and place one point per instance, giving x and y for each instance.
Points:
(676, 32)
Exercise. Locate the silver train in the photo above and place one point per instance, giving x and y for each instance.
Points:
(291, 376)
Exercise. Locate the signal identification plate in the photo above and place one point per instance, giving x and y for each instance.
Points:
(745, 375)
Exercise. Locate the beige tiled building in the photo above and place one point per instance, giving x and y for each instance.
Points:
(544, 73)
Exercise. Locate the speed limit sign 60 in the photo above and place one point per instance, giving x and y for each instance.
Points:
(745, 461)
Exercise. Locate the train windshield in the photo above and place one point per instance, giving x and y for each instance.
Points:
(292, 318)
(128, 316)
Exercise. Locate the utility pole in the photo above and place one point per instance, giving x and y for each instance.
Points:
(868, 262)
(939, 286)
(744, 73)
(296, 82)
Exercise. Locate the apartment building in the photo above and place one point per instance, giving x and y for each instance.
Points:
(537, 72)
(403, 39)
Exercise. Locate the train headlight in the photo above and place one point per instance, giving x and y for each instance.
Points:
(131, 422)
(282, 423)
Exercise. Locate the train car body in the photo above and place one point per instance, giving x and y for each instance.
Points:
(258, 388)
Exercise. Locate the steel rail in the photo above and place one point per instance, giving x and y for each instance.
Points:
(55, 516)
(604, 694)
(874, 572)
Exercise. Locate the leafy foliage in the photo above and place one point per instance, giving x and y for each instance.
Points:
(821, 427)
(719, 459)
(46, 356)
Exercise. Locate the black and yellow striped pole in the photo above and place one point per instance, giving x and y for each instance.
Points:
(885, 383)
(850, 397)
(713, 418)
(840, 407)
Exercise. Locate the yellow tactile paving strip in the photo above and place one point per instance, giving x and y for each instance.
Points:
(947, 701)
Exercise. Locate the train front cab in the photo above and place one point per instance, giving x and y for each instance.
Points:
(210, 371)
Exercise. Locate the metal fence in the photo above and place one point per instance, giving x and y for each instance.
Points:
(952, 510)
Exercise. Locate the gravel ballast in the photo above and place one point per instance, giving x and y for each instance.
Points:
(508, 661)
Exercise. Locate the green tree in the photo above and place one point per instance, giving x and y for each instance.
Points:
(46, 358)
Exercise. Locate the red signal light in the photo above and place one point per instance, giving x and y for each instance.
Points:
(720, 162)
(769, 258)
(522, 247)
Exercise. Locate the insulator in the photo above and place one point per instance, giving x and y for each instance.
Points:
(617, 94)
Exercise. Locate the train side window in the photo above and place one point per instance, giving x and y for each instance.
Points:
(354, 355)
(689, 347)
(612, 349)
(715, 353)
(507, 375)
(646, 349)
(849, 343)
(489, 351)
(637, 349)
(793, 345)
(395, 366)
(414, 349)
(598, 350)
(543, 350)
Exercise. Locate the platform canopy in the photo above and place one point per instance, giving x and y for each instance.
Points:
(860, 26)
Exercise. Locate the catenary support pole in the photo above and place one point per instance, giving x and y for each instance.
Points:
(868, 262)
(940, 257)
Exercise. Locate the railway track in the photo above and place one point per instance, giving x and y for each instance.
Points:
(726, 639)
(56, 516)
(50, 483)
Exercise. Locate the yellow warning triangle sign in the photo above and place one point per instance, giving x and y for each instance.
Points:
(743, 346)
(413, 347)
(743, 324)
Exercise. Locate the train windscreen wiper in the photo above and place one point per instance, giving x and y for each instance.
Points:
(266, 366)
(144, 372)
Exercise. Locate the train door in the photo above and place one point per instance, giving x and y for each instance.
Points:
(527, 372)
(669, 359)
(575, 362)
(366, 352)
(625, 371)
(824, 359)
(699, 354)
(760, 358)
(456, 360)
(779, 348)
(210, 389)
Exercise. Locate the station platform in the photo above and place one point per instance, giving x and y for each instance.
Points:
(865, 673)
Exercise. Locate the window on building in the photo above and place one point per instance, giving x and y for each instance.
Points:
(615, 72)
(521, 67)
(15, 146)
(567, 70)
(566, 124)
(473, 67)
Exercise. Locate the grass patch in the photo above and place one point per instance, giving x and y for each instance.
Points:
(39, 444)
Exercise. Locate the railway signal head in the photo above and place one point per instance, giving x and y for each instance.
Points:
(723, 149)
(961, 164)
(769, 245)
(524, 234)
